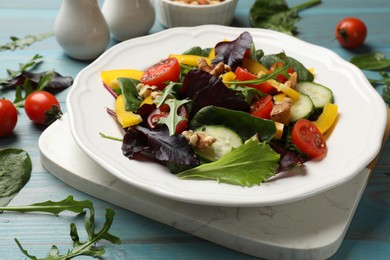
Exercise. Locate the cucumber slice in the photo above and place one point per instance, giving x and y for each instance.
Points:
(302, 108)
(227, 139)
(319, 94)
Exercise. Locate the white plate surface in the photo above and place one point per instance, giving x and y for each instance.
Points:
(353, 143)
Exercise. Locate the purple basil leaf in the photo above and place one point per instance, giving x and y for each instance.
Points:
(232, 53)
(205, 89)
(165, 148)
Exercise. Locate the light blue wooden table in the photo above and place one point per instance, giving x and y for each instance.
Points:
(368, 236)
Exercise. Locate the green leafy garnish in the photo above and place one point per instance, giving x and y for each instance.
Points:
(89, 247)
(15, 172)
(21, 43)
(277, 15)
(249, 164)
(376, 61)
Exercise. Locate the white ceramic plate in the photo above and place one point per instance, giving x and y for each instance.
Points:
(354, 142)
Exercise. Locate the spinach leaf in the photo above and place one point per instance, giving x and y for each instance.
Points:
(196, 50)
(128, 87)
(242, 123)
(277, 15)
(249, 164)
(375, 61)
(303, 73)
(15, 172)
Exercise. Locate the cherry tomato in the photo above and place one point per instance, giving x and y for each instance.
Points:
(161, 73)
(163, 111)
(8, 117)
(281, 78)
(351, 32)
(306, 136)
(243, 75)
(39, 105)
(262, 108)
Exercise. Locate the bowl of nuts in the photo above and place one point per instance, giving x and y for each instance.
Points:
(178, 13)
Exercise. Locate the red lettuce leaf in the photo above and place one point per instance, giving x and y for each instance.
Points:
(232, 53)
(205, 89)
(165, 148)
(58, 82)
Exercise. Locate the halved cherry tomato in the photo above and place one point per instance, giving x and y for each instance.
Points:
(281, 78)
(163, 111)
(8, 117)
(351, 32)
(306, 136)
(262, 108)
(243, 75)
(162, 72)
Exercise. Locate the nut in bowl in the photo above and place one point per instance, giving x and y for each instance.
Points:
(172, 13)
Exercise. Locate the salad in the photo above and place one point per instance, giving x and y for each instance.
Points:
(228, 113)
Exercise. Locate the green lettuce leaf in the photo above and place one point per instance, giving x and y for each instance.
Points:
(249, 164)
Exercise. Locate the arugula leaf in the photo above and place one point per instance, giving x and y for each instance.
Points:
(277, 15)
(89, 247)
(249, 164)
(15, 172)
(128, 87)
(18, 43)
(173, 118)
(375, 61)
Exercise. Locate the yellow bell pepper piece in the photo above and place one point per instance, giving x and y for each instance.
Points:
(279, 97)
(189, 59)
(253, 66)
(212, 54)
(109, 77)
(328, 117)
(228, 76)
(147, 100)
(293, 94)
(279, 130)
(125, 118)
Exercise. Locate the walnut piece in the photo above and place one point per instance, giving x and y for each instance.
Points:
(145, 91)
(281, 111)
(198, 139)
(216, 70)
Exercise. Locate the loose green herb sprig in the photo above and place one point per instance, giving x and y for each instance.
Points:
(18, 43)
(88, 247)
(376, 61)
(31, 64)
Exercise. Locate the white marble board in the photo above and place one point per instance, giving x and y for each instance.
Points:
(311, 228)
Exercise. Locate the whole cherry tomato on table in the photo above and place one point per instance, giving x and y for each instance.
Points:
(42, 108)
(351, 32)
(8, 117)
(306, 136)
(162, 72)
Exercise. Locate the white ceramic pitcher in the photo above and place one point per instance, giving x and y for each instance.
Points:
(128, 18)
(81, 30)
